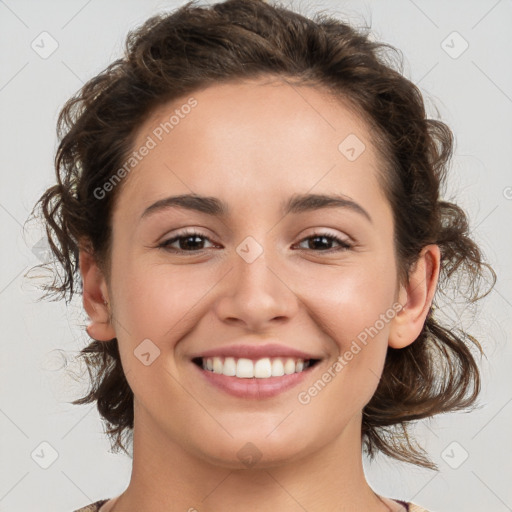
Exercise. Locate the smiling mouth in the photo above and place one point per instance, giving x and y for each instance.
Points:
(262, 368)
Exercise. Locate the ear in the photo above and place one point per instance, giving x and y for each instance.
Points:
(416, 298)
(95, 296)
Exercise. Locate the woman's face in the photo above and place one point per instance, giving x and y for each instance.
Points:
(258, 278)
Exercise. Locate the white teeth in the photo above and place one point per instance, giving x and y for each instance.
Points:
(277, 368)
(217, 365)
(229, 367)
(289, 366)
(261, 369)
(245, 368)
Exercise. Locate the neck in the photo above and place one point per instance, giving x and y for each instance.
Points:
(165, 477)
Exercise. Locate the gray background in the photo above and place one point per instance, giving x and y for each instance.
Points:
(473, 92)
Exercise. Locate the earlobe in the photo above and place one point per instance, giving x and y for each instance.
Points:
(95, 297)
(416, 298)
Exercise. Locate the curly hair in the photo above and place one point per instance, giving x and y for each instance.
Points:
(177, 53)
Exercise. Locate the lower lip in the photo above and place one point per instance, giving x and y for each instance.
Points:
(254, 388)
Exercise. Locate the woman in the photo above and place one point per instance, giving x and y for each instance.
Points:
(249, 202)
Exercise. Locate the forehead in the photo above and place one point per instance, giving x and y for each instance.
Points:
(257, 137)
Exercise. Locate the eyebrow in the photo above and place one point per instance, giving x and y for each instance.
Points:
(298, 203)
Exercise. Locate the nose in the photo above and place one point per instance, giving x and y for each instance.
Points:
(256, 295)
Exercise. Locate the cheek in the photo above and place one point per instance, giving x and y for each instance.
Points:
(353, 307)
(155, 307)
(348, 301)
(159, 301)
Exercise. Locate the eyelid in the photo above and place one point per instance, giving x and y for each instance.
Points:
(183, 234)
(345, 244)
(329, 232)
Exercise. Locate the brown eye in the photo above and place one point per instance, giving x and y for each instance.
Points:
(320, 241)
(191, 242)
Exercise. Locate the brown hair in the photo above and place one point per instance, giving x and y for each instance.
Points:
(172, 55)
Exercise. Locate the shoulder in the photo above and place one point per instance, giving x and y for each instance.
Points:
(411, 507)
(416, 508)
(404, 505)
(93, 507)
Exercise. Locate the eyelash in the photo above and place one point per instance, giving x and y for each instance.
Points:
(345, 245)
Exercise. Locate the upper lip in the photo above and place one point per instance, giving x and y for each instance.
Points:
(256, 352)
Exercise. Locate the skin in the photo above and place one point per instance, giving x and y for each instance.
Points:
(253, 144)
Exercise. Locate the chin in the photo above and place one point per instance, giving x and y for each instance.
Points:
(256, 450)
(250, 456)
